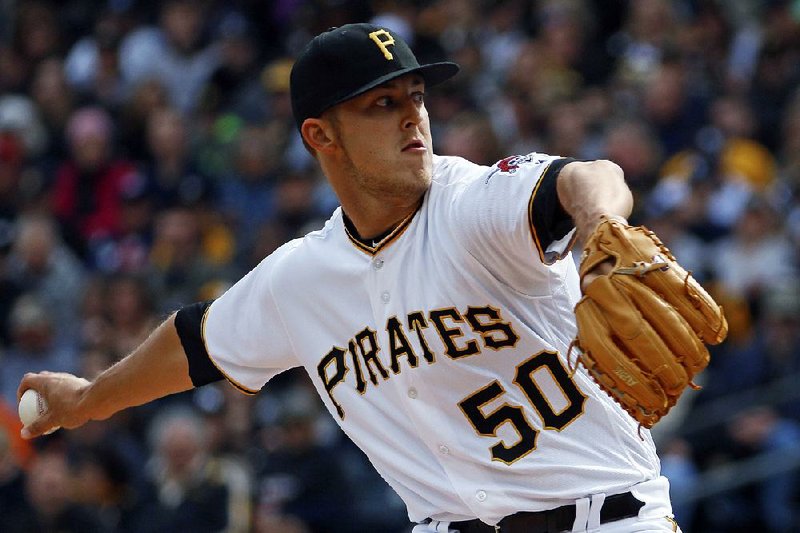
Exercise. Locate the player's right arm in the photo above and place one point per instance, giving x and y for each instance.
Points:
(157, 368)
(243, 329)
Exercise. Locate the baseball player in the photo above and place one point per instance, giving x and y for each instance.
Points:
(434, 313)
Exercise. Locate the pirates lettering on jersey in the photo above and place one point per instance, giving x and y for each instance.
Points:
(461, 334)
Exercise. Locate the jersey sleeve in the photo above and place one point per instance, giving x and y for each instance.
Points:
(243, 330)
(512, 214)
(189, 325)
(550, 224)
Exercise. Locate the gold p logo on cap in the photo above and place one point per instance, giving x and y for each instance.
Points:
(383, 39)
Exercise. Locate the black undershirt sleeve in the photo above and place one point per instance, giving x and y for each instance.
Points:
(189, 323)
(549, 219)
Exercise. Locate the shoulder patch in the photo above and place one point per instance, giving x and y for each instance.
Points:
(510, 164)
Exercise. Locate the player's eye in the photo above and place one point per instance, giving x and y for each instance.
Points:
(384, 101)
(418, 97)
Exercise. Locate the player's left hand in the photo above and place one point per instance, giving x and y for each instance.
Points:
(643, 320)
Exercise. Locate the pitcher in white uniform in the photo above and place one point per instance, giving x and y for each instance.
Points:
(433, 312)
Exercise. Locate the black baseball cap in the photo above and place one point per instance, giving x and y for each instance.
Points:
(349, 60)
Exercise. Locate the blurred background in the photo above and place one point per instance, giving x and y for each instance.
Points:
(148, 159)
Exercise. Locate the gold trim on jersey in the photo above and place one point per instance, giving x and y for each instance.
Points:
(673, 523)
(371, 355)
(237, 385)
(396, 232)
(399, 345)
(376, 358)
(535, 236)
(487, 424)
(544, 257)
(571, 400)
(449, 335)
(532, 433)
(496, 325)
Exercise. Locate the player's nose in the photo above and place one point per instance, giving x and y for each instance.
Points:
(414, 114)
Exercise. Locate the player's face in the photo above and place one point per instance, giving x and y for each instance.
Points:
(385, 138)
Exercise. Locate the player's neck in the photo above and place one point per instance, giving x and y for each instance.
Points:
(374, 224)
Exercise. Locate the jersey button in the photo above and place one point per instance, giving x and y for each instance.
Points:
(480, 495)
(385, 297)
(378, 264)
(444, 450)
(412, 393)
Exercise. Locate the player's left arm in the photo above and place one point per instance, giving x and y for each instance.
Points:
(589, 190)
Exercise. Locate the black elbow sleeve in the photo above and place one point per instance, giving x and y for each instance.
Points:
(549, 218)
(189, 324)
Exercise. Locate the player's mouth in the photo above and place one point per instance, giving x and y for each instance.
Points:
(415, 146)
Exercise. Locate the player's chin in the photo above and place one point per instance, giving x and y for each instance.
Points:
(414, 184)
(422, 178)
(421, 167)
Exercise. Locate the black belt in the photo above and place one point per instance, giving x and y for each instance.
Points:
(556, 520)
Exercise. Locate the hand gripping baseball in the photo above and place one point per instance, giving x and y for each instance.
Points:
(642, 326)
(62, 394)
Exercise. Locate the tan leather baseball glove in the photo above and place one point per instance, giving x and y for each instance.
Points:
(642, 327)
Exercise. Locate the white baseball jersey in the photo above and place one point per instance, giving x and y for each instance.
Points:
(441, 350)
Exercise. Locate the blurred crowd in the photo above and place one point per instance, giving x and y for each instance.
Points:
(148, 159)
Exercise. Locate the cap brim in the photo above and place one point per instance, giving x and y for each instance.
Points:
(432, 73)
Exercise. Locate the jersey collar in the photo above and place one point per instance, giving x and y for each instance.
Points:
(375, 245)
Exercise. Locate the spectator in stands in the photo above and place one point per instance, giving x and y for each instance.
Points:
(769, 353)
(37, 36)
(173, 179)
(297, 479)
(12, 156)
(633, 146)
(247, 194)
(181, 271)
(103, 483)
(131, 313)
(279, 125)
(229, 425)
(34, 346)
(470, 135)
(758, 239)
(761, 430)
(49, 504)
(235, 86)
(12, 484)
(10, 289)
(21, 118)
(55, 101)
(175, 53)
(92, 65)
(128, 250)
(145, 97)
(789, 149)
(86, 193)
(42, 265)
(190, 495)
(672, 106)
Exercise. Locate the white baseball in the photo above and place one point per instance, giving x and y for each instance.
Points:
(31, 407)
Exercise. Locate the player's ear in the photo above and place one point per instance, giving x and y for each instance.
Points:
(318, 134)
